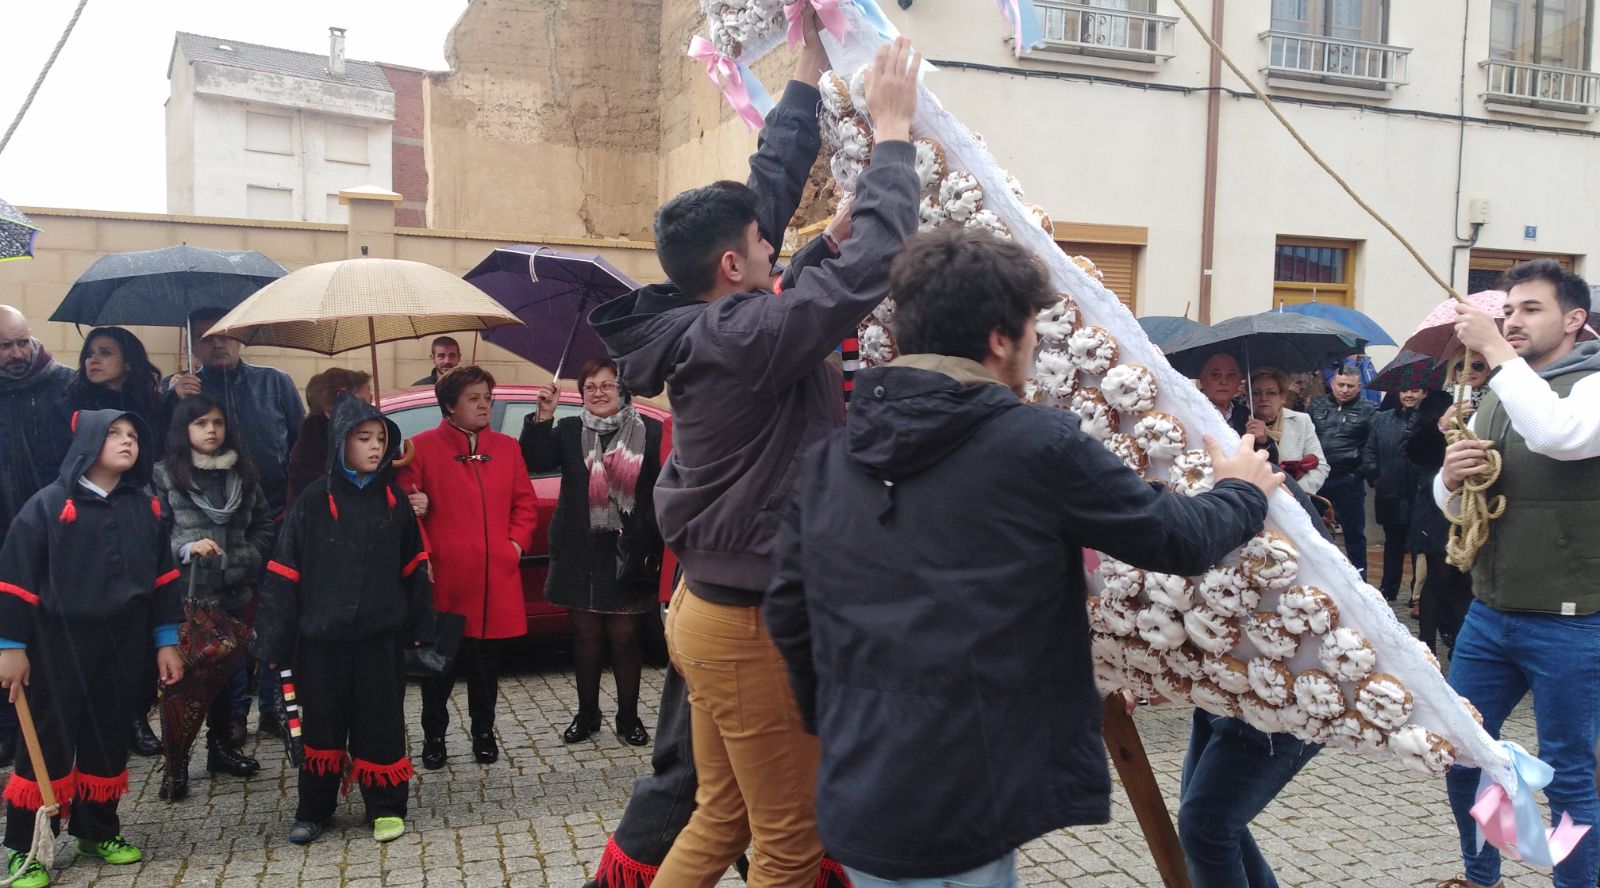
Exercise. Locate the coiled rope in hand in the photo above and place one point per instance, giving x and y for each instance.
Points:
(1469, 525)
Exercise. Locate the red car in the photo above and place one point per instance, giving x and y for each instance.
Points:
(416, 410)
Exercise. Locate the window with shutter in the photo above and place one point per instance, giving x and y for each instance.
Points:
(1114, 249)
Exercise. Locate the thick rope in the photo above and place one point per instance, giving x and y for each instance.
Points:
(1469, 526)
(39, 81)
(43, 848)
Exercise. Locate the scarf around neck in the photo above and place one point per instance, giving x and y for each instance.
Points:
(613, 469)
(233, 488)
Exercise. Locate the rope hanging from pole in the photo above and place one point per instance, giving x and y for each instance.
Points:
(39, 81)
(1469, 526)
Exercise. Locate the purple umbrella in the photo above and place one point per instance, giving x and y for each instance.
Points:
(552, 292)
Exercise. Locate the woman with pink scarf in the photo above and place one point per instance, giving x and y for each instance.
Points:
(605, 550)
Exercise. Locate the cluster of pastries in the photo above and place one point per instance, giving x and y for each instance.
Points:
(1245, 640)
(737, 24)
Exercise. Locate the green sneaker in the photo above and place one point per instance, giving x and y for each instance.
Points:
(34, 876)
(387, 829)
(115, 850)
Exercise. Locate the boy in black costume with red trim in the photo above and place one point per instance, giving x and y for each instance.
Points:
(346, 592)
(86, 582)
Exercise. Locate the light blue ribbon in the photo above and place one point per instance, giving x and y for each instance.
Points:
(1030, 33)
(1532, 774)
(878, 21)
(760, 99)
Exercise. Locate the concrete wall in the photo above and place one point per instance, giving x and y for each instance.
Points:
(71, 240)
(548, 119)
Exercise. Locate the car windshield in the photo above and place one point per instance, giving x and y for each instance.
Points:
(418, 418)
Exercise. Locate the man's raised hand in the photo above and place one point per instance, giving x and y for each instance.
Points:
(1247, 464)
(892, 90)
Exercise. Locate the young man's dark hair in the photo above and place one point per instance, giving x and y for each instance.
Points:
(695, 228)
(450, 386)
(444, 340)
(953, 286)
(1572, 291)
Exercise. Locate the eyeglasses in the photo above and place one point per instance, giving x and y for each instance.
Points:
(595, 388)
(1479, 366)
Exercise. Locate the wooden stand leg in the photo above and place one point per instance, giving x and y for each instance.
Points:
(1133, 766)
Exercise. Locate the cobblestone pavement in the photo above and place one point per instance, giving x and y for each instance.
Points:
(541, 815)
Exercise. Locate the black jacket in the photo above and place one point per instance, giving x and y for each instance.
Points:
(74, 555)
(35, 431)
(1387, 468)
(747, 374)
(1424, 445)
(929, 601)
(350, 562)
(1342, 429)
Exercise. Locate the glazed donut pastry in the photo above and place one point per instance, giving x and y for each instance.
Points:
(1271, 680)
(1422, 750)
(931, 215)
(1161, 627)
(1121, 579)
(961, 196)
(1172, 685)
(1055, 323)
(1269, 560)
(1054, 375)
(884, 313)
(1427, 653)
(1471, 710)
(1383, 700)
(1351, 731)
(1108, 649)
(846, 171)
(1185, 660)
(852, 137)
(1039, 217)
(1138, 655)
(1142, 684)
(1015, 187)
(930, 165)
(1227, 592)
(835, 96)
(858, 92)
(1095, 416)
(1271, 638)
(1347, 655)
(1160, 434)
(1213, 699)
(1107, 678)
(875, 345)
(1210, 631)
(1171, 590)
(1191, 472)
(1127, 449)
(1227, 672)
(1308, 609)
(1303, 725)
(1112, 616)
(1087, 266)
(1259, 714)
(986, 220)
(1094, 348)
(1130, 389)
(1319, 695)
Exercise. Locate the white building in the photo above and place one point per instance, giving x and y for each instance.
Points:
(1469, 124)
(264, 133)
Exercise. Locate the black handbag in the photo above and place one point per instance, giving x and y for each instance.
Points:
(439, 657)
(639, 558)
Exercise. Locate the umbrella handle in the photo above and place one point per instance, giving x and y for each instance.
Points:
(30, 737)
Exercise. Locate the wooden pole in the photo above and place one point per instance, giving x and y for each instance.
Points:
(30, 736)
(1133, 766)
(372, 345)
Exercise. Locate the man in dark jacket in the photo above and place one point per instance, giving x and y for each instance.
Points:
(1343, 418)
(929, 594)
(750, 388)
(1393, 478)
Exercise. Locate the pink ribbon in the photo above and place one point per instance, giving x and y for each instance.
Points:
(724, 72)
(829, 14)
(1497, 818)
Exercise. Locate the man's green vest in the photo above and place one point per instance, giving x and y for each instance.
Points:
(1541, 555)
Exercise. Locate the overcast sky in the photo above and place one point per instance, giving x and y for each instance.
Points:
(95, 137)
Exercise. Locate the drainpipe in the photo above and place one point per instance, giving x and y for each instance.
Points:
(1208, 210)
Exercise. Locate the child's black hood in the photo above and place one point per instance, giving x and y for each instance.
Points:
(89, 428)
(349, 412)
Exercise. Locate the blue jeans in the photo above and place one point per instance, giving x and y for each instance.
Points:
(1499, 658)
(1231, 773)
(1348, 494)
(1001, 873)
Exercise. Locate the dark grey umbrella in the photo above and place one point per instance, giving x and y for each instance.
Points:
(1291, 342)
(161, 287)
(16, 233)
(1410, 370)
(1165, 329)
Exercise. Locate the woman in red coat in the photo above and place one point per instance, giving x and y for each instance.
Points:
(477, 509)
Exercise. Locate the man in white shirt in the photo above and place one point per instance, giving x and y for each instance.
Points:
(1535, 625)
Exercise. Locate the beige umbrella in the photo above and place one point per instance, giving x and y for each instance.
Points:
(334, 307)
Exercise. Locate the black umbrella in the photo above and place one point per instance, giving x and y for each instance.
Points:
(1165, 329)
(1410, 370)
(161, 287)
(16, 233)
(1293, 343)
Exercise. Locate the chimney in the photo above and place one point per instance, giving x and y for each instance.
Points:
(336, 52)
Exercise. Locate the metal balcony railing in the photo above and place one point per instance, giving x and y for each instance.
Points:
(1529, 84)
(1353, 62)
(1114, 33)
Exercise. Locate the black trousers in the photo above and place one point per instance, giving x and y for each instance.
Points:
(1394, 557)
(85, 687)
(479, 660)
(352, 696)
(1446, 595)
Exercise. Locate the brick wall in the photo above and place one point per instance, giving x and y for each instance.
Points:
(410, 175)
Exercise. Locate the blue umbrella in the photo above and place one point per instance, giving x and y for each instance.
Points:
(1358, 323)
(1163, 329)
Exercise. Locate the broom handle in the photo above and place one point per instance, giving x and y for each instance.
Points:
(30, 736)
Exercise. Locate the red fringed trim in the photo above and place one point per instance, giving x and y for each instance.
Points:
(617, 870)
(414, 563)
(368, 774)
(333, 507)
(69, 512)
(74, 423)
(284, 570)
(155, 506)
(101, 789)
(831, 874)
(24, 793)
(388, 494)
(20, 592)
(324, 761)
(167, 577)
